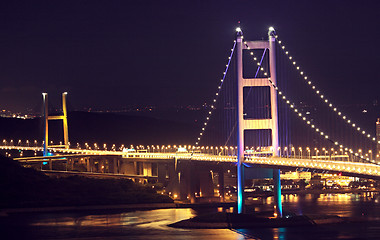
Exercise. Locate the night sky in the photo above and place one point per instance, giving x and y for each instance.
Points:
(112, 54)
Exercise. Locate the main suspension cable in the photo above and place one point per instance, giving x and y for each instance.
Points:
(322, 97)
(315, 128)
(217, 94)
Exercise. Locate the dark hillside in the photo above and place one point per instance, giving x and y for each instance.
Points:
(24, 187)
(13, 128)
(123, 129)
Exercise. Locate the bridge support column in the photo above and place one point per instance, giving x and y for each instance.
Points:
(206, 183)
(71, 163)
(115, 165)
(161, 172)
(274, 113)
(183, 180)
(126, 167)
(240, 121)
(88, 165)
(221, 185)
(46, 125)
(277, 193)
(147, 169)
(174, 180)
(186, 180)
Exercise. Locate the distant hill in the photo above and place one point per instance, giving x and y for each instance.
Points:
(13, 128)
(102, 128)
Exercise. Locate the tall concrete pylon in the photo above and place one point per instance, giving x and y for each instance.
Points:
(62, 117)
(252, 124)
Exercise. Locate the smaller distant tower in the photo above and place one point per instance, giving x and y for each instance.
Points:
(378, 139)
(59, 117)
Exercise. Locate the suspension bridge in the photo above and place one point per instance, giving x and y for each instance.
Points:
(247, 124)
(330, 163)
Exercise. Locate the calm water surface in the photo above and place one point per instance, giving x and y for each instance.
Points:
(152, 224)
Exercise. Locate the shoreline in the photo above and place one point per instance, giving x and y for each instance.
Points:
(139, 206)
(250, 221)
(219, 220)
(148, 206)
(134, 206)
(312, 191)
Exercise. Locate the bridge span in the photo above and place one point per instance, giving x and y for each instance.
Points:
(191, 171)
(358, 169)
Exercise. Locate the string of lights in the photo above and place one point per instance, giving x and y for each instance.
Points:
(322, 97)
(216, 96)
(308, 122)
(20, 147)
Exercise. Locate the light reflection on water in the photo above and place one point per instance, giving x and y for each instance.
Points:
(152, 218)
(152, 224)
(362, 205)
(343, 205)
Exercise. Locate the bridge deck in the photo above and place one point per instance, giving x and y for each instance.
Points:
(363, 169)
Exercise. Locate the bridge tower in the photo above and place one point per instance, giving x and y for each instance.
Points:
(62, 117)
(251, 124)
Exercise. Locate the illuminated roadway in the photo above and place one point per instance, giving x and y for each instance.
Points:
(345, 167)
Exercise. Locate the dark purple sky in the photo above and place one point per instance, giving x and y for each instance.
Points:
(110, 54)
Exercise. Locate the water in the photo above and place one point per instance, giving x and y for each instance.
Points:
(152, 224)
(128, 225)
(363, 206)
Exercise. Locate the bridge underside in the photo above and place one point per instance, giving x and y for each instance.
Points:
(182, 179)
(202, 179)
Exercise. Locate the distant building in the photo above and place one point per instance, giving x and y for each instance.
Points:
(296, 176)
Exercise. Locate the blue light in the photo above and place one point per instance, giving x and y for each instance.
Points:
(44, 163)
(277, 188)
(247, 165)
(240, 188)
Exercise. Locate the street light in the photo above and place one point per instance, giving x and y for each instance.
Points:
(286, 151)
(293, 151)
